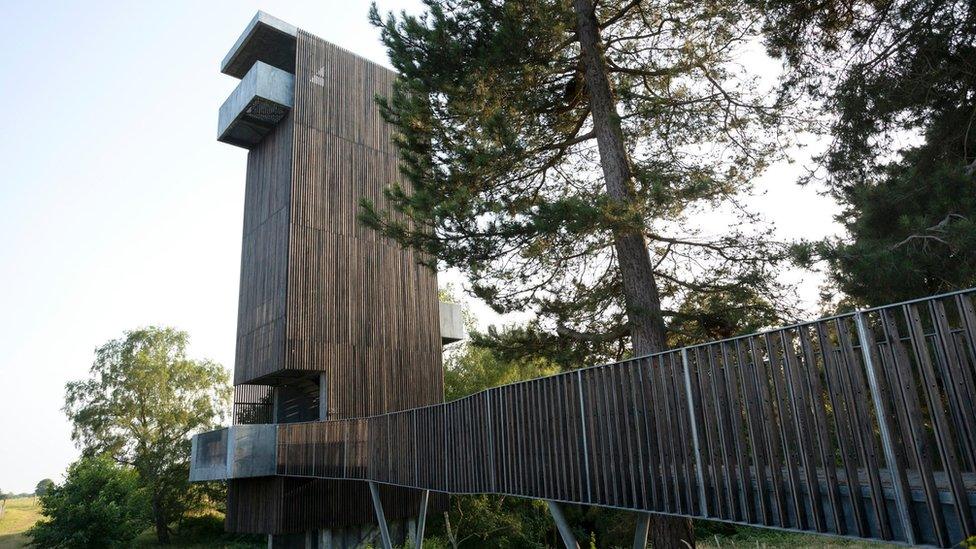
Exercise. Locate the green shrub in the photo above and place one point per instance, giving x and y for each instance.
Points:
(99, 504)
(201, 527)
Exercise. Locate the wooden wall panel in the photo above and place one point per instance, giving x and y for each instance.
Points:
(264, 256)
(322, 293)
(359, 308)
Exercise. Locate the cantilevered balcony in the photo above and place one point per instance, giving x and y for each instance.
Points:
(239, 451)
(452, 323)
(261, 100)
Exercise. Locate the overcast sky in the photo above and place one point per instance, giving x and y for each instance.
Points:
(118, 207)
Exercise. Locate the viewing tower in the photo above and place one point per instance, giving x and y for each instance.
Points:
(334, 320)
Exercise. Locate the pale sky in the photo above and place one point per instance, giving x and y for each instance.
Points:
(118, 207)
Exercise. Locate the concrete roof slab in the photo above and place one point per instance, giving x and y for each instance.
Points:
(266, 39)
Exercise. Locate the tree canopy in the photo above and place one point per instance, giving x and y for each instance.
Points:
(502, 154)
(895, 82)
(142, 402)
(556, 152)
(43, 486)
(887, 71)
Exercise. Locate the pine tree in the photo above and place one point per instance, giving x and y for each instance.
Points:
(896, 83)
(556, 152)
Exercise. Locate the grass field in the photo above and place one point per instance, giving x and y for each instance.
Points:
(759, 538)
(20, 515)
(763, 540)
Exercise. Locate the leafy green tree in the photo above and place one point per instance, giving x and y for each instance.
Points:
(895, 81)
(474, 368)
(885, 71)
(142, 402)
(100, 504)
(496, 521)
(557, 150)
(43, 487)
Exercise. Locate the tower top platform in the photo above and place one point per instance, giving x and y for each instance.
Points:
(266, 38)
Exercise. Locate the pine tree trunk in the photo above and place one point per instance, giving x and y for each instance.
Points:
(636, 272)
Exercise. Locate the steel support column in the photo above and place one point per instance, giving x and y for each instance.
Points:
(640, 532)
(569, 540)
(380, 517)
(699, 470)
(325, 539)
(902, 501)
(586, 451)
(422, 519)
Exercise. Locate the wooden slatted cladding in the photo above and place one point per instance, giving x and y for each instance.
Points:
(264, 257)
(860, 425)
(320, 292)
(359, 308)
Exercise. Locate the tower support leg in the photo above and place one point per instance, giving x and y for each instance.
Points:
(422, 519)
(380, 517)
(640, 533)
(325, 539)
(569, 539)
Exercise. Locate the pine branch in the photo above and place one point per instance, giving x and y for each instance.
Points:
(616, 333)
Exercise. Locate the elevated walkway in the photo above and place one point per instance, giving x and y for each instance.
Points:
(861, 425)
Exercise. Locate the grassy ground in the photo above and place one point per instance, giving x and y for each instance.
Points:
(745, 538)
(20, 515)
(201, 532)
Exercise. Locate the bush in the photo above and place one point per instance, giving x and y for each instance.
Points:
(201, 527)
(99, 504)
(208, 528)
(493, 521)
